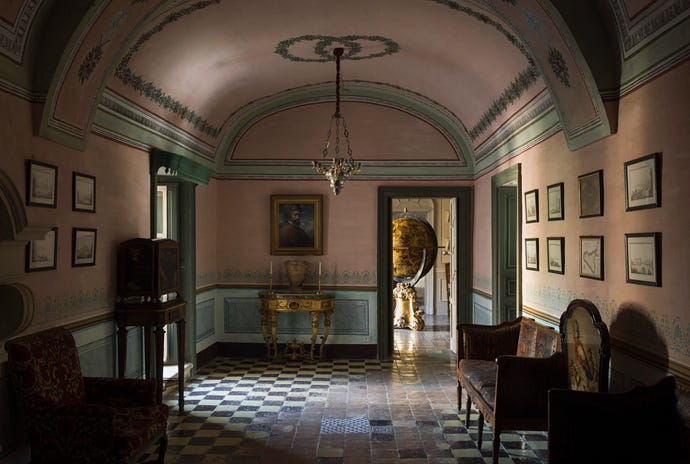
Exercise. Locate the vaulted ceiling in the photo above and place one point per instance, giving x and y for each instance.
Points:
(431, 88)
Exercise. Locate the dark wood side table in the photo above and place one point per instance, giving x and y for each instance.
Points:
(154, 318)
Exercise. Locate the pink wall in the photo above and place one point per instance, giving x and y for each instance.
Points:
(122, 204)
(652, 119)
(349, 235)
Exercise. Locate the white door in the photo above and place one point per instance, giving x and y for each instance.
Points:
(453, 294)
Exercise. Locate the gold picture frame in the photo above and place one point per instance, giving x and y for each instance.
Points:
(296, 224)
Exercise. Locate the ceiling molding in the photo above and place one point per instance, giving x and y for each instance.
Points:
(358, 91)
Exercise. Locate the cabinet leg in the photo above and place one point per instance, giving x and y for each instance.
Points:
(180, 365)
(160, 333)
(121, 350)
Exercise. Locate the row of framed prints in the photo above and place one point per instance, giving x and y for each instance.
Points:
(642, 190)
(642, 257)
(41, 187)
(41, 255)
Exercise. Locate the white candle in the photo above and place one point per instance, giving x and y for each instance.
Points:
(319, 267)
(271, 269)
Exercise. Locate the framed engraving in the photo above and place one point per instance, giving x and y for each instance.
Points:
(643, 182)
(532, 254)
(83, 247)
(555, 254)
(41, 255)
(643, 259)
(591, 187)
(41, 184)
(554, 201)
(83, 192)
(532, 206)
(592, 256)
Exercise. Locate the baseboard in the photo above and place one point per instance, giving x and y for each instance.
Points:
(258, 350)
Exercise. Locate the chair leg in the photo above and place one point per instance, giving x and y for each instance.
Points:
(459, 397)
(497, 444)
(468, 406)
(162, 448)
(480, 430)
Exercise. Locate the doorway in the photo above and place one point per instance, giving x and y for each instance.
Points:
(506, 237)
(461, 210)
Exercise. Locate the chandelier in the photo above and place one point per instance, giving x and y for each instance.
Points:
(340, 167)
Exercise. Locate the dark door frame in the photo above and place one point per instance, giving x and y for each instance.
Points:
(384, 265)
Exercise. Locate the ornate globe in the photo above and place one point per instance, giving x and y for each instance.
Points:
(411, 236)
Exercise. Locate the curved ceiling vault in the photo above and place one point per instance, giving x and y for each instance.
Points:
(431, 89)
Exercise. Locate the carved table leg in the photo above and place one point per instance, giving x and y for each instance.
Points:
(264, 331)
(274, 334)
(326, 327)
(314, 331)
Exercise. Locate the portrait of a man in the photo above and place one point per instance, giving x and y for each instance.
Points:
(292, 231)
(296, 224)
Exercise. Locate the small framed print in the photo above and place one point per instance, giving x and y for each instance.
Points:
(555, 254)
(592, 257)
(643, 182)
(532, 206)
(83, 192)
(83, 247)
(643, 259)
(41, 255)
(591, 188)
(41, 184)
(554, 201)
(532, 254)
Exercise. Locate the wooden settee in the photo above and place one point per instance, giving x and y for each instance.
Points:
(506, 371)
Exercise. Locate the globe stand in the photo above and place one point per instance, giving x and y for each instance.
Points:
(406, 313)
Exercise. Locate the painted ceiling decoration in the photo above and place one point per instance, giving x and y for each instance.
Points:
(478, 80)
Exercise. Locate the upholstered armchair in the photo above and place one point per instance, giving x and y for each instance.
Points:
(75, 419)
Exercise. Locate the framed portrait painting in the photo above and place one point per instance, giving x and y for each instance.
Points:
(592, 257)
(532, 254)
(642, 182)
(83, 247)
(83, 192)
(296, 224)
(41, 255)
(643, 259)
(554, 200)
(41, 184)
(555, 254)
(532, 206)
(591, 188)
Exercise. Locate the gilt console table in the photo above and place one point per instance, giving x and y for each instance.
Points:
(274, 303)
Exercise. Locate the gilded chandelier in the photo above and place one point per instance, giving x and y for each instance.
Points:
(340, 168)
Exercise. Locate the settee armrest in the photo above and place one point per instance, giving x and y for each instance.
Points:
(523, 384)
(120, 392)
(487, 342)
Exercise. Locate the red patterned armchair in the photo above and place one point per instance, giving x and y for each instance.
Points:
(75, 419)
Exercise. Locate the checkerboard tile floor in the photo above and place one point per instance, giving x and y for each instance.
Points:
(337, 411)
